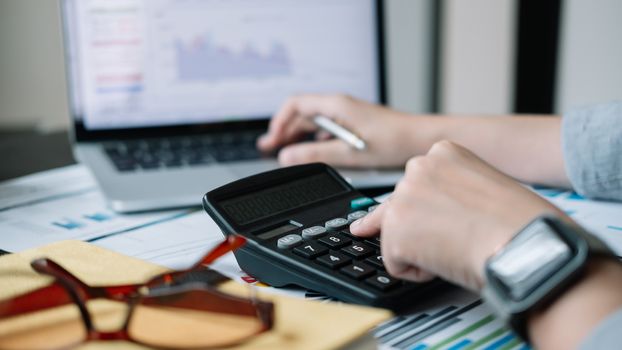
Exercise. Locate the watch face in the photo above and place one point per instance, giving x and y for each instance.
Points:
(529, 259)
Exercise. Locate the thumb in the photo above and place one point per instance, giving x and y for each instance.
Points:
(334, 152)
(369, 225)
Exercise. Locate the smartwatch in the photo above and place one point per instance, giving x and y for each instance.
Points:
(537, 265)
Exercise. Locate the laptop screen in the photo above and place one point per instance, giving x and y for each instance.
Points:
(150, 63)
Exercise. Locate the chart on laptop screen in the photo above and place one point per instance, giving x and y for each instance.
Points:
(140, 63)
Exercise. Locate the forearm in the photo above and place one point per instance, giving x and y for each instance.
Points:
(527, 148)
(566, 322)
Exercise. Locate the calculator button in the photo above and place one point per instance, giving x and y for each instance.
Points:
(288, 241)
(358, 250)
(349, 234)
(376, 261)
(335, 240)
(373, 242)
(373, 207)
(361, 203)
(357, 271)
(333, 260)
(336, 224)
(313, 232)
(356, 215)
(310, 250)
(382, 281)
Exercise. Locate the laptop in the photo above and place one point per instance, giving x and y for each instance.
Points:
(168, 97)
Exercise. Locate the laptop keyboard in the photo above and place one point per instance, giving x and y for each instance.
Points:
(179, 152)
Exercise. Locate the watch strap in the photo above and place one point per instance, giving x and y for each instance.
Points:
(518, 321)
(596, 245)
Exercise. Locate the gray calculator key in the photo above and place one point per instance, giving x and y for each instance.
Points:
(336, 224)
(356, 215)
(313, 232)
(372, 208)
(288, 241)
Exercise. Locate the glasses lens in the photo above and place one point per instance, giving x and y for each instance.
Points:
(191, 319)
(107, 315)
(56, 328)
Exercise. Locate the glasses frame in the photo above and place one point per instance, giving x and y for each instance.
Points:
(68, 289)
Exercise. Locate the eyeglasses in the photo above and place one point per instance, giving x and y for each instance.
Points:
(165, 312)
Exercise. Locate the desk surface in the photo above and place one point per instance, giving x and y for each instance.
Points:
(27, 152)
(30, 152)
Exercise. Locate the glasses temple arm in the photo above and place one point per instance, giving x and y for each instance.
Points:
(231, 243)
(56, 295)
(44, 298)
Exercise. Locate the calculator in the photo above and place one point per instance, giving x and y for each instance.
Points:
(296, 222)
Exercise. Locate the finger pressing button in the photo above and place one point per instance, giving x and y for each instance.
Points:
(356, 215)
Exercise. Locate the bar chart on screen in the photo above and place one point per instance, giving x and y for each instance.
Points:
(153, 63)
(226, 63)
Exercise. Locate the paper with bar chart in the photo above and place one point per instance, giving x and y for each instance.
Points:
(66, 204)
(456, 320)
(601, 218)
(63, 204)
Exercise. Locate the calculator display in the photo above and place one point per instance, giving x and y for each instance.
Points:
(277, 231)
(257, 205)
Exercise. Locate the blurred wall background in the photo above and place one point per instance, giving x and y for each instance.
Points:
(32, 84)
(475, 66)
(590, 66)
(477, 56)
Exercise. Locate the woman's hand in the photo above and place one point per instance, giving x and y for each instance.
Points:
(390, 136)
(448, 214)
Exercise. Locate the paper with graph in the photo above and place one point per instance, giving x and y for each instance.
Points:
(66, 204)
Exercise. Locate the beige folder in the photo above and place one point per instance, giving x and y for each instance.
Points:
(299, 324)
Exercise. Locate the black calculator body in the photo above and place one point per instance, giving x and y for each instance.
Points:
(296, 221)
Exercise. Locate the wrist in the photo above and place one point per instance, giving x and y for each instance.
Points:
(426, 130)
(494, 235)
(571, 317)
(553, 280)
(493, 241)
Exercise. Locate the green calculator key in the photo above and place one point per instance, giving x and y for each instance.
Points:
(361, 203)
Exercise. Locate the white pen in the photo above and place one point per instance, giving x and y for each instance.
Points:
(340, 132)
